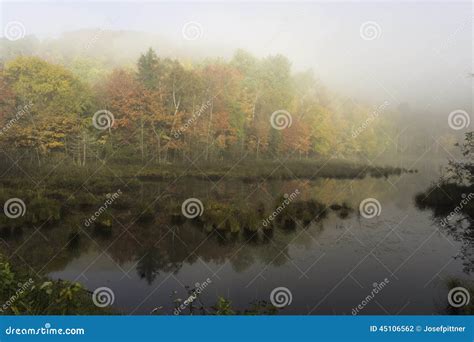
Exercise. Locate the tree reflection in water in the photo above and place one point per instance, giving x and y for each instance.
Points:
(452, 201)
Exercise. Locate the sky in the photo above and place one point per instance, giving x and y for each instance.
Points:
(418, 53)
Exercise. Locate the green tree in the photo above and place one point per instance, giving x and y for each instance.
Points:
(59, 104)
(148, 70)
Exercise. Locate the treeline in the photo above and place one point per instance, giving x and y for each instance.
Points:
(161, 110)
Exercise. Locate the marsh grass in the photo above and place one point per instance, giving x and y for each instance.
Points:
(43, 296)
(269, 170)
(442, 198)
(99, 177)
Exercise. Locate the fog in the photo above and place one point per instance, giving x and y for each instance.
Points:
(421, 54)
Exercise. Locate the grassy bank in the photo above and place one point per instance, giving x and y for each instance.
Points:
(269, 170)
(56, 191)
(60, 172)
(24, 293)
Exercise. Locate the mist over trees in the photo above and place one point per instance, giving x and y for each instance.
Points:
(170, 110)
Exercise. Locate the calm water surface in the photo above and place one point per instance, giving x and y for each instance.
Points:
(329, 266)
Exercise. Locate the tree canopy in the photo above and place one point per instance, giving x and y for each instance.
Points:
(165, 111)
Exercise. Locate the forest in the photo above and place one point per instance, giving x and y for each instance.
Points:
(162, 111)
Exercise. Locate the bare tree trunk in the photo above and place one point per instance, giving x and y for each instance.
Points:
(209, 130)
(142, 147)
(158, 138)
(159, 150)
(38, 156)
(84, 144)
(254, 106)
(258, 148)
(176, 104)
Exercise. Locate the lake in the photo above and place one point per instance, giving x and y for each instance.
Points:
(329, 264)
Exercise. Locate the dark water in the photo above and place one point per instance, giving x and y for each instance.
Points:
(329, 265)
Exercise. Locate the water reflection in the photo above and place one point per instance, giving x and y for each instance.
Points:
(310, 246)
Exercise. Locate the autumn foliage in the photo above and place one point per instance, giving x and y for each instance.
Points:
(165, 111)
